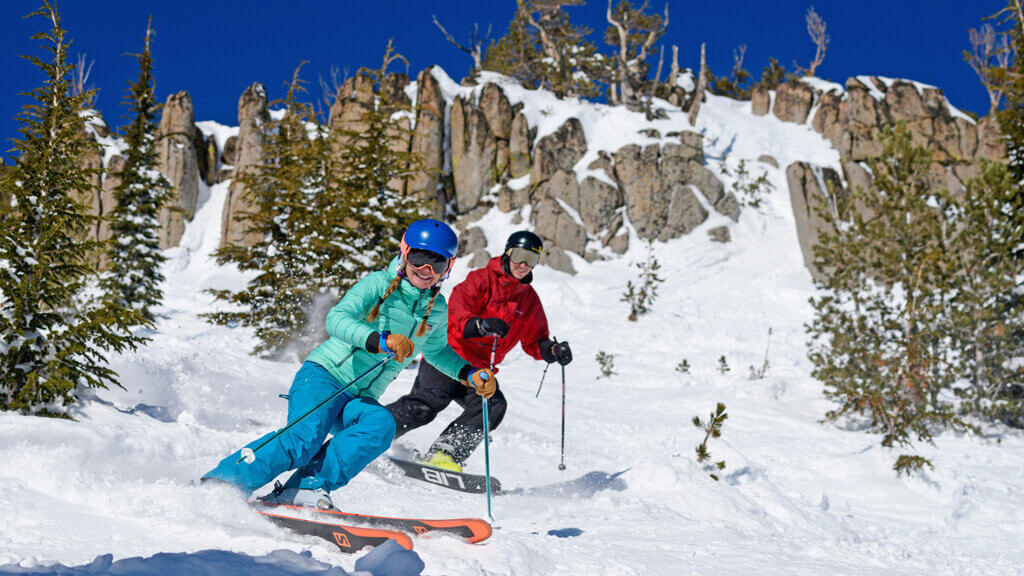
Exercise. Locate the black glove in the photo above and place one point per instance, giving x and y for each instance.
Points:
(552, 351)
(485, 327)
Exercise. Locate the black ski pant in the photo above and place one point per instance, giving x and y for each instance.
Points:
(431, 393)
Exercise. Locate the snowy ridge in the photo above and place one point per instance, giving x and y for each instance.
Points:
(796, 496)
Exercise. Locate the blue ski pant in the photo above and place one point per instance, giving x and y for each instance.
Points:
(362, 429)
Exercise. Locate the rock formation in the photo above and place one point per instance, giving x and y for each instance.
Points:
(252, 115)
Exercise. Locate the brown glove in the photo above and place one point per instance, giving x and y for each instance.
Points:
(401, 345)
(484, 381)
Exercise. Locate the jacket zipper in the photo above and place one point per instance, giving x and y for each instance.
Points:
(413, 314)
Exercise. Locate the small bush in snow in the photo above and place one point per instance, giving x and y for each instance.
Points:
(606, 362)
(723, 365)
(750, 191)
(712, 429)
(911, 464)
(641, 295)
(760, 372)
(683, 367)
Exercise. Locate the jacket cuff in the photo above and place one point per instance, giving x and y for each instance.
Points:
(373, 343)
(464, 373)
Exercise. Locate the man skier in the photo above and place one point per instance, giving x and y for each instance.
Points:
(496, 300)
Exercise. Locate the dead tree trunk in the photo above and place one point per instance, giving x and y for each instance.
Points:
(698, 94)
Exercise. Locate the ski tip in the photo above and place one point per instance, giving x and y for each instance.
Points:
(480, 529)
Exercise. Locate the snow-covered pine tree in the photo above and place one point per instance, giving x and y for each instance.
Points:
(54, 338)
(291, 191)
(134, 277)
(986, 310)
(877, 338)
(368, 163)
(1011, 81)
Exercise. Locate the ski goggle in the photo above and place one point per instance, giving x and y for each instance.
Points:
(418, 258)
(523, 256)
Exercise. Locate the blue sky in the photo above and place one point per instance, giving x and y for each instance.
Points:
(214, 49)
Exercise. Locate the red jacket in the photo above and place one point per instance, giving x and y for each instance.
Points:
(490, 292)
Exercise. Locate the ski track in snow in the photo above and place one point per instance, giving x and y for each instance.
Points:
(796, 497)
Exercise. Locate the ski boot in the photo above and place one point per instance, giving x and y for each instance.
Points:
(443, 460)
(297, 496)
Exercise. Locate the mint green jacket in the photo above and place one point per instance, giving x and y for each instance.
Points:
(344, 354)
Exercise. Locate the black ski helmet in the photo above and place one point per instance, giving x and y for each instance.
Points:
(525, 239)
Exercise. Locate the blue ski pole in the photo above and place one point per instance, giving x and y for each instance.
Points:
(487, 440)
(250, 455)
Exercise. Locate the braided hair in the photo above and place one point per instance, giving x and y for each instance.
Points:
(430, 306)
(375, 311)
(391, 288)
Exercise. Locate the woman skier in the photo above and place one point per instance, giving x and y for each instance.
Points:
(391, 313)
(496, 300)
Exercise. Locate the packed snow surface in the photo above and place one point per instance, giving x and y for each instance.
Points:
(797, 496)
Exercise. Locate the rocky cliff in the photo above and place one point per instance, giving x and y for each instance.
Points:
(586, 177)
(853, 117)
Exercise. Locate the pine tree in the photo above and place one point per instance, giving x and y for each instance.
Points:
(515, 54)
(773, 75)
(134, 277)
(985, 312)
(53, 337)
(5, 198)
(544, 49)
(877, 336)
(633, 32)
(1011, 81)
(368, 164)
(641, 295)
(1011, 118)
(291, 193)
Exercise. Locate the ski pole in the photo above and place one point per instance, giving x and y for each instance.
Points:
(537, 395)
(249, 456)
(561, 465)
(487, 440)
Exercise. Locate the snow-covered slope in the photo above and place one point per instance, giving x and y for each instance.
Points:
(796, 496)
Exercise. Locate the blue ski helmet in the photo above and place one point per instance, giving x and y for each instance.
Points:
(432, 235)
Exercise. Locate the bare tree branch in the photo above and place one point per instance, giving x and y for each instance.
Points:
(476, 52)
(990, 51)
(632, 71)
(653, 35)
(390, 56)
(737, 60)
(816, 28)
(649, 111)
(329, 87)
(80, 82)
(673, 74)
